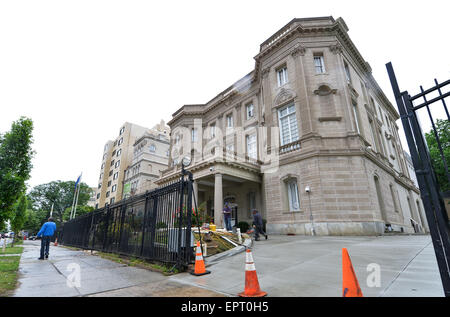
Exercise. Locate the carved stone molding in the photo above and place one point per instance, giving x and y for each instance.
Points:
(336, 48)
(324, 90)
(265, 72)
(283, 96)
(298, 50)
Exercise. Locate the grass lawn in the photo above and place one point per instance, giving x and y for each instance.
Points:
(8, 274)
(13, 250)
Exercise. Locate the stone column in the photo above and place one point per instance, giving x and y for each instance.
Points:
(218, 200)
(195, 193)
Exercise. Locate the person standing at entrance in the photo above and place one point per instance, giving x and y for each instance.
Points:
(47, 231)
(227, 216)
(258, 224)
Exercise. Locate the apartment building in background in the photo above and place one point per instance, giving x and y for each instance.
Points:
(150, 156)
(117, 156)
(307, 137)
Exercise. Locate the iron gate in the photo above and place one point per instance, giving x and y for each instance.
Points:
(431, 194)
(154, 226)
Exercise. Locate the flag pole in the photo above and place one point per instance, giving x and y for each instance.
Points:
(76, 202)
(73, 202)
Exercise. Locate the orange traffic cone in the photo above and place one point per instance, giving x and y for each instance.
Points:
(350, 285)
(199, 263)
(251, 280)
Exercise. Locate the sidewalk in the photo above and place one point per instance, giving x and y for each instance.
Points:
(305, 266)
(98, 277)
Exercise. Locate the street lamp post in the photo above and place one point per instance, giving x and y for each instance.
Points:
(308, 191)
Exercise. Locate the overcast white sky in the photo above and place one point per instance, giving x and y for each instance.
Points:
(80, 69)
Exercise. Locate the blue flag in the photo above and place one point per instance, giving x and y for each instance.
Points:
(78, 180)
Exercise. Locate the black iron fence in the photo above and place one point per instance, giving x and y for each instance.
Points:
(432, 196)
(154, 226)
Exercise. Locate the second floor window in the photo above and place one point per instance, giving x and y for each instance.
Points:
(229, 121)
(251, 146)
(288, 125)
(319, 64)
(282, 76)
(347, 73)
(193, 135)
(250, 109)
(355, 115)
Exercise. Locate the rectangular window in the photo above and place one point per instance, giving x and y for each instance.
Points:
(117, 164)
(107, 194)
(152, 148)
(282, 76)
(120, 141)
(114, 188)
(121, 130)
(109, 183)
(119, 152)
(116, 175)
(288, 124)
(292, 187)
(251, 146)
(112, 200)
(355, 116)
(319, 64)
(347, 73)
(213, 131)
(194, 135)
(250, 109)
(229, 121)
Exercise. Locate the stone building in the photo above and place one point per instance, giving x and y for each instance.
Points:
(117, 156)
(150, 156)
(307, 137)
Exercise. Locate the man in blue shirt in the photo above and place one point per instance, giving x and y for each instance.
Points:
(47, 231)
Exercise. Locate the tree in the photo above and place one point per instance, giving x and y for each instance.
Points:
(443, 131)
(81, 210)
(60, 194)
(19, 217)
(15, 164)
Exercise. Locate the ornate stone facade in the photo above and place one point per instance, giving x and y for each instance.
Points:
(310, 115)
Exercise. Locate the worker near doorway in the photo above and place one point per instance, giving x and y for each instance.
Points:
(227, 216)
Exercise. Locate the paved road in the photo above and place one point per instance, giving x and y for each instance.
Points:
(286, 266)
(311, 266)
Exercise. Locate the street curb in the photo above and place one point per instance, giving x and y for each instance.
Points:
(236, 250)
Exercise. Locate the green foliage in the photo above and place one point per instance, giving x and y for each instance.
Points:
(161, 225)
(15, 165)
(34, 220)
(60, 194)
(443, 131)
(81, 210)
(243, 226)
(20, 215)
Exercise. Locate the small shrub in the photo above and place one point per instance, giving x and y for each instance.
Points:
(161, 225)
(243, 226)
